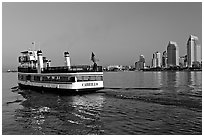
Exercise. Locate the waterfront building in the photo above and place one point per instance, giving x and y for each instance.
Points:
(185, 61)
(182, 62)
(164, 59)
(114, 67)
(136, 65)
(142, 58)
(193, 51)
(172, 54)
(156, 60)
(141, 63)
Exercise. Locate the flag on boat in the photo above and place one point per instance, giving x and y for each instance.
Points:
(93, 57)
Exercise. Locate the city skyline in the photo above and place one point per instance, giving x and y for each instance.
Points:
(116, 32)
(171, 57)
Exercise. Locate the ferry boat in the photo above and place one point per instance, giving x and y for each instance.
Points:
(34, 71)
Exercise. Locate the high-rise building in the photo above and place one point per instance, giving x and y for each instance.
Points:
(172, 54)
(141, 63)
(164, 59)
(156, 60)
(142, 58)
(182, 61)
(185, 61)
(193, 51)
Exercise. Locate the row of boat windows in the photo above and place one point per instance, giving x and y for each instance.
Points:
(89, 78)
(59, 78)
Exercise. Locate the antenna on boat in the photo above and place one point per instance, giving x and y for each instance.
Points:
(33, 43)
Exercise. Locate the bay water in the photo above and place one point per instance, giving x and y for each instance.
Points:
(119, 109)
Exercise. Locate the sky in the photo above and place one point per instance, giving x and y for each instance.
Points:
(117, 33)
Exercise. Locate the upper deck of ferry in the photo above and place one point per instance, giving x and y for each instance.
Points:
(32, 61)
(62, 69)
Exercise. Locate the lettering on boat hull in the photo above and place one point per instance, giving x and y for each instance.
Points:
(89, 84)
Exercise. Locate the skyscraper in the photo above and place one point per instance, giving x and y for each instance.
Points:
(141, 63)
(172, 54)
(142, 58)
(193, 51)
(164, 59)
(156, 60)
(182, 62)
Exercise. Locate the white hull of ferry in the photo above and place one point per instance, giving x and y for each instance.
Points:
(75, 86)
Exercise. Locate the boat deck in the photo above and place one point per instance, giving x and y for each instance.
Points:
(61, 69)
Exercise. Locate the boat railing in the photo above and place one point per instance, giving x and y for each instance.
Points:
(62, 69)
(27, 69)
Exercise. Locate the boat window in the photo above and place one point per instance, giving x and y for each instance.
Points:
(37, 78)
(44, 78)
(23, 77)
(58, 78)
(92, 78)
(99, 78)
(32, 78)
(89, 78)
(63, 79)
(55, 78)
(85, 78)
(28, 77)
(79, 78)
(71, 79)
(20, 77)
